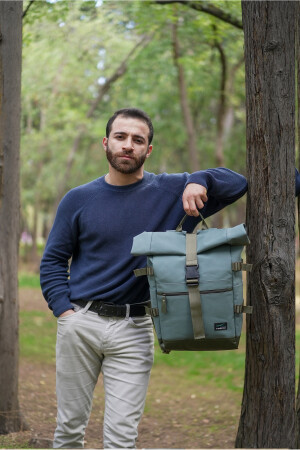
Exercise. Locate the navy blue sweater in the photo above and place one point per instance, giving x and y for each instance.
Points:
(95, 225)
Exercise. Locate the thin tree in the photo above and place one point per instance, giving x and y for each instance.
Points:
(268, 407)
(191, 133)
(10, 105)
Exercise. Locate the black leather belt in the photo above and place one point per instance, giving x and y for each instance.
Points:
(110, 310)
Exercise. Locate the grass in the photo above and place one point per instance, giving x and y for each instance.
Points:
(7, 442)
(221, 368)
(29, 280)
(37, 336)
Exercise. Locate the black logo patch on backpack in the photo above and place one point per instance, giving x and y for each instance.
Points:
(221, 326)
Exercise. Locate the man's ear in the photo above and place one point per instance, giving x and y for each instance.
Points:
(104, 143)
(150, 148)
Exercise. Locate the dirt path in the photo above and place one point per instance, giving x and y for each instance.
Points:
(178, 413)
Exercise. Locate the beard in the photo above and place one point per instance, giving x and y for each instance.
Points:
(126, 166)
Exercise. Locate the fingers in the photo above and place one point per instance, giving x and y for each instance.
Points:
(192, 205)
(194, 198)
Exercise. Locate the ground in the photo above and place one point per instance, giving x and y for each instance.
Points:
(178, 413)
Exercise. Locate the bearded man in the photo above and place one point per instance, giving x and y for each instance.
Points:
(100, 305)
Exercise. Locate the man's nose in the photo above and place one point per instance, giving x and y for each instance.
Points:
(128, 144)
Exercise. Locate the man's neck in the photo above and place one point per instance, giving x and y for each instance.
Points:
(122, 179)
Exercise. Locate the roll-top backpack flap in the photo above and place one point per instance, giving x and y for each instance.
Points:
(159, 243)
(174, 242)
(142, 244)
(238, 235)
(196, 286)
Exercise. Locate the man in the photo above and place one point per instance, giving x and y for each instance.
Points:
(102, 325)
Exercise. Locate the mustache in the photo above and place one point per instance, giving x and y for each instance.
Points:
(129, 154)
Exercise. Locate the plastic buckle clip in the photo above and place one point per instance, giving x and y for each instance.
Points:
(192, 275)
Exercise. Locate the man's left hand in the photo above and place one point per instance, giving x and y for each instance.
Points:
(193, 198)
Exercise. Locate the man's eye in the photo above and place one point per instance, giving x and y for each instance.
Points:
(139, 141)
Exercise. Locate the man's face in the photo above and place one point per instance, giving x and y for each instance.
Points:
(127, 145)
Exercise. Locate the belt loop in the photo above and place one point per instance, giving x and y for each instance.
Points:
(127, 311)
(86, 308)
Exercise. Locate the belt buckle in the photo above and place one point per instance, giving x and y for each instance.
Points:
(101, 309)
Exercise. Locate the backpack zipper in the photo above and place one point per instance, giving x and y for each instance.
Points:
(175, 294)
(210, 291)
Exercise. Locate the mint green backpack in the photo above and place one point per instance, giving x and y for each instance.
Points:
(196, 285)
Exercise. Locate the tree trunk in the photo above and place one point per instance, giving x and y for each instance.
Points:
(298, 126)
(185, 108)
(10, 105)
(268, 407)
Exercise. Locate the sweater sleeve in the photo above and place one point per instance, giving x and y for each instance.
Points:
(224, 186)
(54, 269)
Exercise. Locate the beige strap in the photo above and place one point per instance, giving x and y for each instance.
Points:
(143, 271)
(192, 281)
(236, 266)
(201, 225)
(153, 312)
(239, 309)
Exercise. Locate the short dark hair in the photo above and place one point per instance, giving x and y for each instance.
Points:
(134, 113)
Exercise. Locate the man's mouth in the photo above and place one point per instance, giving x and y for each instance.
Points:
(125, 157)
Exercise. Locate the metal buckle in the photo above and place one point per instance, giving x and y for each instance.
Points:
(192, 275)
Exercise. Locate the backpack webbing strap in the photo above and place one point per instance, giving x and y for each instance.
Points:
(192, 281)
(154, 312)
(239, 309)
(236, 266)
(143, 271)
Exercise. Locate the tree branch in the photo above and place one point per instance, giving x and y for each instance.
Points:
(27, 8)
(116, 75)
(207, 8)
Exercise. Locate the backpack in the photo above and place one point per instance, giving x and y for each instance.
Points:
(196, 285)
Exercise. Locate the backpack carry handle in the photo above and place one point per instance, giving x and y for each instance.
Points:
(202, 225)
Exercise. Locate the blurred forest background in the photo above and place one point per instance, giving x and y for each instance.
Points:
(83, 60)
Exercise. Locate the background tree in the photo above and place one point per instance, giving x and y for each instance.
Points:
(268, 407)
(10, 109)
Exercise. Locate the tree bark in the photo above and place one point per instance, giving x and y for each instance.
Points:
(268, 407)
(184, 102)
(298, 126)
(10, 105)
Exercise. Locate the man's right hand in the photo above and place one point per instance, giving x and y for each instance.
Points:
(67, 313)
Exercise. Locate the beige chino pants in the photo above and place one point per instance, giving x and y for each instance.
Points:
(120, 348)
